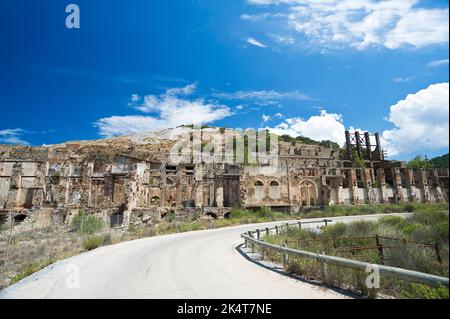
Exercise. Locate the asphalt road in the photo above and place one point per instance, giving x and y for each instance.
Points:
(201, 264)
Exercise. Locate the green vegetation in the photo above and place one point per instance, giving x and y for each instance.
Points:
(419, 162)
(92, 242)
(306, 140)
(86, 223)
(398, 236)
(440, 161)
(29, 269)
(358, 162)
(367, 209)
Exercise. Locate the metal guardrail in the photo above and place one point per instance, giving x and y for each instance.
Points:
(409, 275)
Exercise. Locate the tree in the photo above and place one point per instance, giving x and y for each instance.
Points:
(419, 162)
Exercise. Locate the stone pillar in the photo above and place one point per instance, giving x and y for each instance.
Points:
(352, 186)
(368, 149)
(423, 185)
(198, 186)
(382, 181)
(398, 189)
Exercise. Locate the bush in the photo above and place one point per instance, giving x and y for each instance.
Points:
(92, 242)
(409, 208)
(170, 216)
(86, 223)
(265, 212)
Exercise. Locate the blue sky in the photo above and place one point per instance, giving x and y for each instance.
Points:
(297, 67)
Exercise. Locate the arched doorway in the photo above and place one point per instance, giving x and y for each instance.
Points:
(308, 193)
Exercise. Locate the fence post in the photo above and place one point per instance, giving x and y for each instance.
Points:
(276, 230)
(380, 249)
(438, 255)
(323, 269)
(285, 256)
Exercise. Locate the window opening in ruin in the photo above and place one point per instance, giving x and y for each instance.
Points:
(274, 190)
(259, 190)
(211, 215)
(20, 218)
(117, 217)
(155, 200)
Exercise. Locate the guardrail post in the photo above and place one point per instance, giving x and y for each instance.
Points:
(300, 225)
(326, 222)
(267, 231)
(323, 269)
(285, 256)
(251, 244)
(287, 228)
(257, 234)
(276, 230)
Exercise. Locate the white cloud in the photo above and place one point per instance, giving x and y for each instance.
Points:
(265, 118)
(434, 64)
(135, 98)
(362, 24)
(404, 80)
(171, 108)
(421, 122)
(12, 136)
(263, 95)
(255, 42)
(325, 126)
(279, 115)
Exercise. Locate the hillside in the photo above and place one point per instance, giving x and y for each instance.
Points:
(440, 161)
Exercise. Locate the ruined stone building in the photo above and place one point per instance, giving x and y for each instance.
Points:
(133, 179)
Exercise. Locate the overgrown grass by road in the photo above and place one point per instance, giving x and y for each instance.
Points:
(31, 251)
(427, 225)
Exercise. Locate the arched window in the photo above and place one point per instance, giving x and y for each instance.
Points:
(274, 190)
(259, 190)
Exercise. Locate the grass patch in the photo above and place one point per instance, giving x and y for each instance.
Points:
(427, 226)
(29, 269)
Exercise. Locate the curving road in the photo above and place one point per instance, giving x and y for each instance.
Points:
(201, 264)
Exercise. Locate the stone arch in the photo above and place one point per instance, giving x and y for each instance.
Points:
(308, 193)
(259, 190)
(274, 189)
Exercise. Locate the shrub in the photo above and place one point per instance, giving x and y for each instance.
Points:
(87, 224)
(92, 242)
(409, 208)
(265, 212)
(170, 216)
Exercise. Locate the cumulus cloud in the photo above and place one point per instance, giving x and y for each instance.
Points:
(362, 24)
(421, 122)
(325, 126)
(256, 43)
(172, 108)
(13, 136)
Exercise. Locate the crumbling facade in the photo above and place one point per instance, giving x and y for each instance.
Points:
(133, 179)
